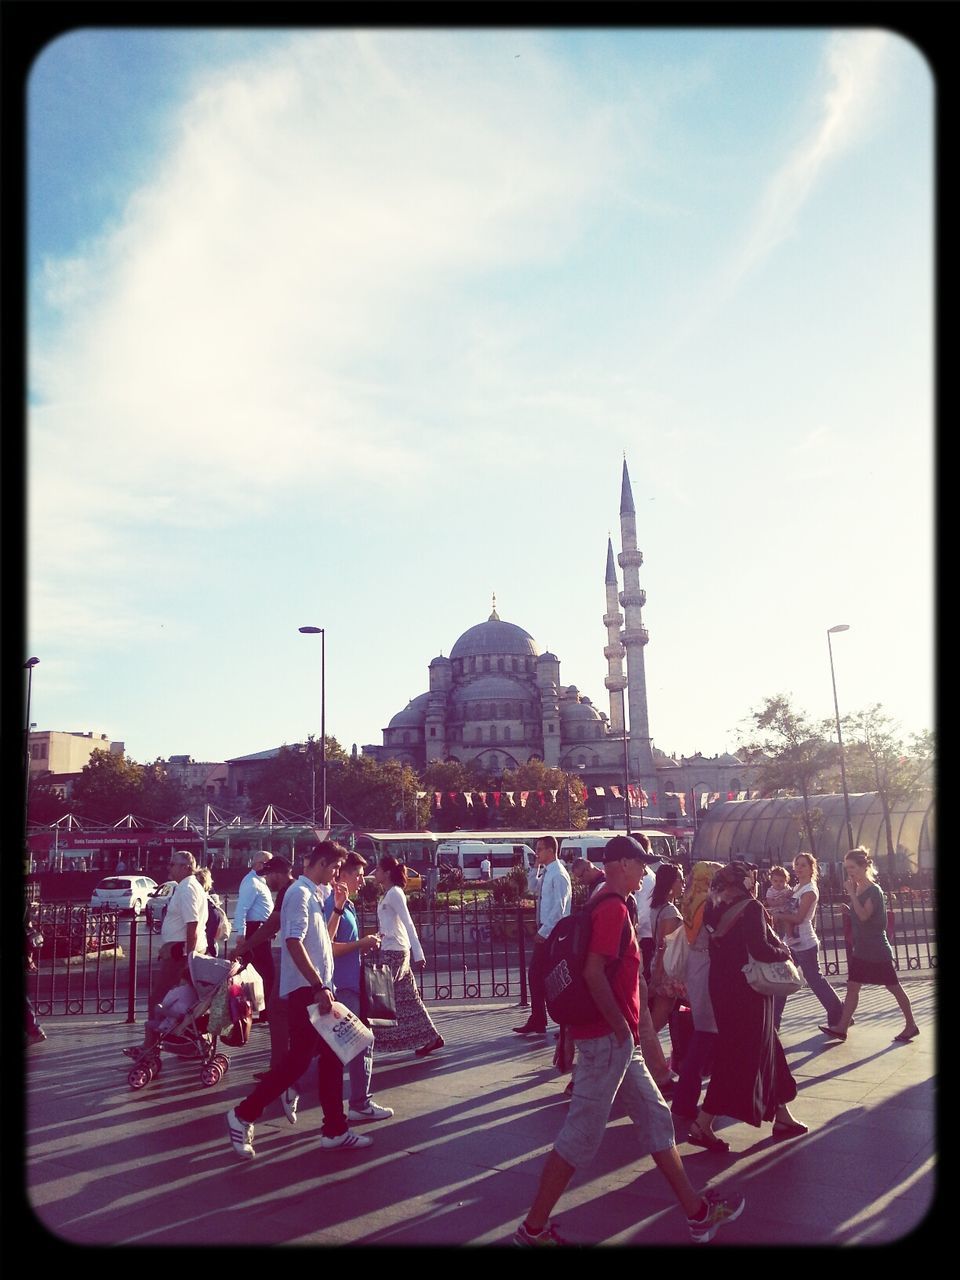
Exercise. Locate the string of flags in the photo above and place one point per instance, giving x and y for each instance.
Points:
(638, 797)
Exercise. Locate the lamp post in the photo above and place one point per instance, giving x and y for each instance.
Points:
(28, 667)
(319, 631)
(626, 763)
(831, 631)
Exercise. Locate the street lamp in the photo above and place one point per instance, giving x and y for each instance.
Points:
(28, 667)
(319, 631)
(832, 631)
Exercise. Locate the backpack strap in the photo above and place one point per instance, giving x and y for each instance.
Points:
(730, 917)
(627, 924)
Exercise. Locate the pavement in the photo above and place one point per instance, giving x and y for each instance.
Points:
(460, 1161)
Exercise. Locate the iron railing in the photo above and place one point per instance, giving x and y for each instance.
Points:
(101, 962)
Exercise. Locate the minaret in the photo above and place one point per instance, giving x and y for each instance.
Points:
(613, 650)
(634, 637)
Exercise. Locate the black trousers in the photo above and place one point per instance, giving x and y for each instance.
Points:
(538, 990)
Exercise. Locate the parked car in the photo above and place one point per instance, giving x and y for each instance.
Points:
(157, 904)
(123, 893)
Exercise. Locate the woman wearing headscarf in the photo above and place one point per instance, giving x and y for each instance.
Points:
(696, 1061)
(750, 1080)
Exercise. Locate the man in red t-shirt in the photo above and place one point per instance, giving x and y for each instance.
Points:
(609, 1063)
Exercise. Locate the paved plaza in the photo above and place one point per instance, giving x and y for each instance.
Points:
(460, 1161)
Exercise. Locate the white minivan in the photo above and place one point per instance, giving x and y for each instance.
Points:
(590, 845)
(468, 854)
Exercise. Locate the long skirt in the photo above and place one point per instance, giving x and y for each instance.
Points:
(413, 1028)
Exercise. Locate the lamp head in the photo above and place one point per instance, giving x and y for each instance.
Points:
(310, 631)
(30, 662)
(843, 626)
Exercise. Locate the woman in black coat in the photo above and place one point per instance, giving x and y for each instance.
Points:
(750, 1080)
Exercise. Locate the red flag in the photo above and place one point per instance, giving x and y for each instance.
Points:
(483, 796)
(438, 798)
(731, 796)
(542, 800)
(452, 795)
(496, 798)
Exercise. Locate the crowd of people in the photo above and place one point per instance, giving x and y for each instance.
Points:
(303, 935)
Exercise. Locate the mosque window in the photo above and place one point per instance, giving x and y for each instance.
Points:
(513, 664)
(499, 664)
(433, 733)
(506, 733)
(406, 736)
(479, 734)
(493, 733)
(486, 664)
(550, 728)
(595, 760)
(581, 762)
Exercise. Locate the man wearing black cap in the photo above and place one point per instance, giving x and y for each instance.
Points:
(609, 1063)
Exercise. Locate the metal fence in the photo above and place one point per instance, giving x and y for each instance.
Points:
(98, 961)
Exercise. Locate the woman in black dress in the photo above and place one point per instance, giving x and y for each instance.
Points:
(751, 1080)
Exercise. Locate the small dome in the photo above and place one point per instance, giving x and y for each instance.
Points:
(727, 758)
(440, 661)
(578, 711)
(494, 637)
(413, 714)
(491, 687)
(548, 657)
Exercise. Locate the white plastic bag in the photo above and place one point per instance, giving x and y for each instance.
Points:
(341, 1030)
(252, 984)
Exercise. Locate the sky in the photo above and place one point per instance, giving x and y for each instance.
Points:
(354, 328)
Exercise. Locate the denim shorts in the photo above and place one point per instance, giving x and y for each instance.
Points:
(604, 1069)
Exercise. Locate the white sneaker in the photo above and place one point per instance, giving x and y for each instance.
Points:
(345, 1141)
(288, 1100)
(373, 1112)
(241, 1135)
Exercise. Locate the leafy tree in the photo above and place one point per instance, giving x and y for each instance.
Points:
(878, 758)
(791, 752)
(538, 778)
(161, 797)
(45, 804)
(452, 779)
(109, 787)
(374, 795)
(291, 779)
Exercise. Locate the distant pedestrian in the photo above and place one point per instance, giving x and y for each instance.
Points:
(218, 926)
(254, 905)
(872, 959)
(799, 915)
(644, 922)
(486, 869)
(400, 948)
(553, 899)
(609, 1065)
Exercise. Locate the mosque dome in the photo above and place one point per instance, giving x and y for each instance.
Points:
(584, 710)
(494, 637)
(412, 715)
(491, 687)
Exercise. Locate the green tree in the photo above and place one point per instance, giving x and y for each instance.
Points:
(791, 752)
(380, 797)
(109, 787)
(161, 797)
(291, 779)
(539, 779)
(45, 804)
(451, 779)
(878, 758)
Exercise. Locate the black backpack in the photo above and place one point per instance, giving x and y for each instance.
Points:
(567, 994)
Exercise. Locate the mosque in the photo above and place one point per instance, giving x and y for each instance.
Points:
(498, 702)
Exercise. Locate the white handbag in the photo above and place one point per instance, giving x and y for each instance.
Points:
(675, 952)
(772, 977)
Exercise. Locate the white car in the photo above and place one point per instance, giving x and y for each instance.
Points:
(157, 906)
(123, 893)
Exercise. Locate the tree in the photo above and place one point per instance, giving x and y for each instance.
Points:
(540, 780)
(377, 796)
(108, 788)
(161, 797)
(291, 779)
(451, 779)
(877, 758)
(791, 752)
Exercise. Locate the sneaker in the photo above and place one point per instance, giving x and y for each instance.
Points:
(288, 1100)
(720, 1211)
(373, 1112)
(241, 1135)
(345, 1141)
(527, 1239)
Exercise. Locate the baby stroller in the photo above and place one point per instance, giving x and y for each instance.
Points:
(182, 1022)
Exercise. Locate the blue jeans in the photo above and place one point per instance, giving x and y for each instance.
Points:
(808, 962)
(360, 1067)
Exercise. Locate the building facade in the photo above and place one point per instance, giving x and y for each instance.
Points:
(498, 702)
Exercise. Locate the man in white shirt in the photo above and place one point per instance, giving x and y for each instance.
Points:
(553, 903)
(184, 932)
(254, 906)
(642, 897)
(306, 977)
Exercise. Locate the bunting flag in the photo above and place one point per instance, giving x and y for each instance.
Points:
(615, 792)
(543, 799)
(754, 795)
(452, 795)
(524, 797)
(644, 798)
(482, 795)
(421, 794)
(653, 798)
(438, 798)
(598, 791)
(731, 796)
(714, 797)
(468, 796)
(496, 798)
(741, 795)
(704, 799)
(554, 794)
(510, 796)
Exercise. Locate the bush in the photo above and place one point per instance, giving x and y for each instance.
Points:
(451, 879)
(509, 888)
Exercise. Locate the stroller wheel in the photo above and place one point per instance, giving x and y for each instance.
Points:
(211, 1074)
(137, 1077)
(155, 1065)
(223, 1061)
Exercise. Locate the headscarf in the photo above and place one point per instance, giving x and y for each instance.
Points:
(695, 896)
